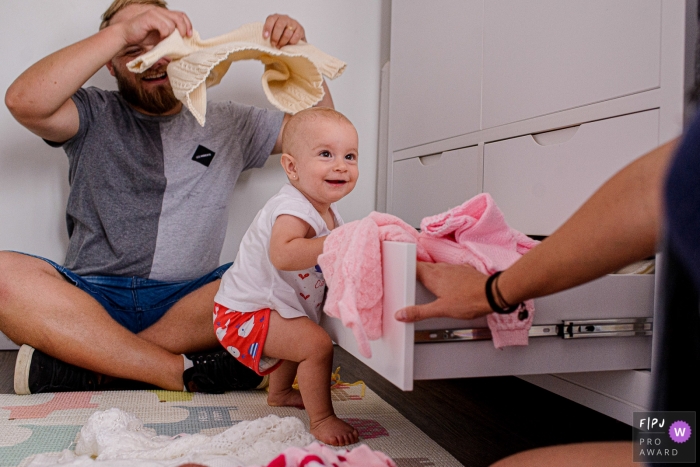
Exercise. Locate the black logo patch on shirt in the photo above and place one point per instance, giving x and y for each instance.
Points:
(203, 155)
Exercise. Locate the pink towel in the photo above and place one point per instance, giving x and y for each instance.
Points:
(474, 233)
(317, 455)
(352, 267)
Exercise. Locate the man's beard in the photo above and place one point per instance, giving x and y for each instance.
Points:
(159, 101)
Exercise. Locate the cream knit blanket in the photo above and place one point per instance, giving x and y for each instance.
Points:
(114, 438)
(292, 80)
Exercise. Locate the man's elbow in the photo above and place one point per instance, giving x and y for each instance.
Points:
(13, 102)
(19, 106)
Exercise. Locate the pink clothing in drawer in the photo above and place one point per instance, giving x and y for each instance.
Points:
(474, 233)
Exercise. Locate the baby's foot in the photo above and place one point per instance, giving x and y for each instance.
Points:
(332, 430)
(287, 398)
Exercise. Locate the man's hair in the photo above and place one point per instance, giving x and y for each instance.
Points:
(299, 119)
(118, 5)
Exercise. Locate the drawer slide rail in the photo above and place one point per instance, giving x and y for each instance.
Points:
(567, 329)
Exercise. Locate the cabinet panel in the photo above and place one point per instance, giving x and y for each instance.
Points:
(435, 70)
(538, 185)
(428, 185)
(543, 56)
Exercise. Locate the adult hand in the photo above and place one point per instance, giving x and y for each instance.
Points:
(283, 30)
(154, 20)
(459, 290)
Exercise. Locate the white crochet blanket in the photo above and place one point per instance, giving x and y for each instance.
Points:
(114, 438)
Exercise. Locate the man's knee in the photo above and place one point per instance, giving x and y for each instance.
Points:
(17, 264)
(16, 270)
(8, 263)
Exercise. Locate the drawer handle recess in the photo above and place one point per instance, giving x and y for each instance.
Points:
(430, 159)
(549, 138)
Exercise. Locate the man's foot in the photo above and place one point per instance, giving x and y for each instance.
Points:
(216, 372)
(289, 398)
(332, 430)
(36, 372)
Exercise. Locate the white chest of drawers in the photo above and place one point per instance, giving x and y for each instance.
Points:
(537, 103)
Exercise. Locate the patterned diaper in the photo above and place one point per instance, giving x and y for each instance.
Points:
(243, 334)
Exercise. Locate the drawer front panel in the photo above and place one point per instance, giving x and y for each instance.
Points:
(424, 186)
(544, 56)
(538, 185)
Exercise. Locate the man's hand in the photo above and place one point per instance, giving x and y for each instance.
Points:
(283, 30)
(459, 290)
(153, 20)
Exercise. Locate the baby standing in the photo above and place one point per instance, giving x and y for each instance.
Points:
(269, 302)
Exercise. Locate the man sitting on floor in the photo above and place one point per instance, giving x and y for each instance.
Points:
(146, 218)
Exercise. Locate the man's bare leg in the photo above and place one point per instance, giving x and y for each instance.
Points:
(40, 308)
(188, 326)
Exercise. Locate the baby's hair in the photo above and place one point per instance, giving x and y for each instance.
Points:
(301, 118)
(118, 5)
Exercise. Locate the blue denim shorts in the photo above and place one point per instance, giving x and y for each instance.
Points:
(134, 302)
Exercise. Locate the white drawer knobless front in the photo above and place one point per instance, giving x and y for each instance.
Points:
(539, 181)
(428, 185)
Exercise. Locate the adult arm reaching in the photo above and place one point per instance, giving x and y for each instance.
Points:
(619, 224)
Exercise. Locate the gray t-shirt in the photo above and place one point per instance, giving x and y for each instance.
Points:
(149, 195)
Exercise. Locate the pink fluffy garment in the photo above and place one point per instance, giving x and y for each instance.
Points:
(473, 233)
(352, 267)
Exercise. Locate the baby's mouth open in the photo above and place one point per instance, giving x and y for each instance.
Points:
(336, 182)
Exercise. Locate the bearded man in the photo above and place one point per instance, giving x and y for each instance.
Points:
(146, 215)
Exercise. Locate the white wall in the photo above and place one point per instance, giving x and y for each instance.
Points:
(34, 178)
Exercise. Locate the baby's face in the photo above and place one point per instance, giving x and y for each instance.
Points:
(326, 160)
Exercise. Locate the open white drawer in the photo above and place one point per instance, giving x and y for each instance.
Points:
(596, 345)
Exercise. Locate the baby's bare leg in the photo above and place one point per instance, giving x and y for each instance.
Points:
(303, 341)
(281, 393)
